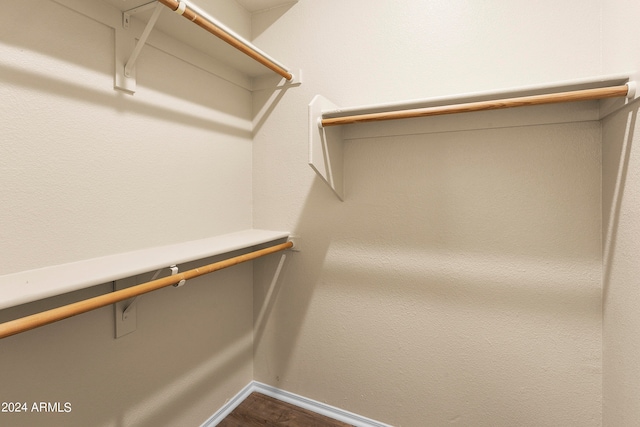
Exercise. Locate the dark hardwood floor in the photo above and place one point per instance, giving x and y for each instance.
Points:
(260, 410)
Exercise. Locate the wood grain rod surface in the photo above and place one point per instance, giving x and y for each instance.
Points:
(228, 38)
(553, 98)
(50, 316)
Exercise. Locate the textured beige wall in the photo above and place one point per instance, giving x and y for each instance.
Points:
(460, 281)
(621, 227)
(87, 171)
(621, 295)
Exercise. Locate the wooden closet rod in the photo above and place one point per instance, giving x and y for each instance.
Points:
(577, 95)
(181, 8)
(46, 317)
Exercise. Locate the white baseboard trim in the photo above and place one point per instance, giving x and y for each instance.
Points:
(294, 399)
(228, 407)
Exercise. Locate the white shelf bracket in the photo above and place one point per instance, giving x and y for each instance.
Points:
(125, 311)
(126, 15)
(125, 74)
(143, 39)
(325, 146)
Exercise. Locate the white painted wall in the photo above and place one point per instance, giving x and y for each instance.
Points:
(460, 281)
(88, 171)
(621, 229)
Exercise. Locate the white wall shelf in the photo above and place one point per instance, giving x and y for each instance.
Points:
(177, 36)
(32, 285)
(326, 142)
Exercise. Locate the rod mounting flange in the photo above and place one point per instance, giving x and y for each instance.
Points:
(631, 91)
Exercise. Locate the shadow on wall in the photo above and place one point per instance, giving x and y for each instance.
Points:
(268, 17)
(184, 350)
(88, 46)
(615, 171)
(283, 290)
(266, 101)
(118, 101)
(448, 249)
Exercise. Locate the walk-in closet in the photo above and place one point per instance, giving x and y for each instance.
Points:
(405, 213)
